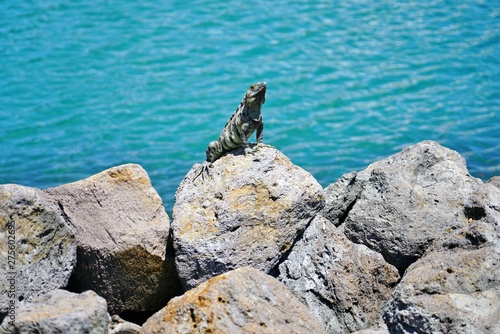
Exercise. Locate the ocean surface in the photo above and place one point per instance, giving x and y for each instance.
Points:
(87, 85)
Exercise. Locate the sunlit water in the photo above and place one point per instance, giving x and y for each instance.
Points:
(89, 85)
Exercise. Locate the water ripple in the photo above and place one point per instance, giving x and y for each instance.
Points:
(88, 86)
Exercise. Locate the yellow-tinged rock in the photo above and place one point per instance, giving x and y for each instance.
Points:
(247, 210)
(244, 300)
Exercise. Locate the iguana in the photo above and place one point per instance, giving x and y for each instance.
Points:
(244, 121)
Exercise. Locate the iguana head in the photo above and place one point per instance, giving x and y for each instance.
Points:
(256, 95)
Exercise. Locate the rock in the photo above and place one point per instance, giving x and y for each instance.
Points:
(37, 250)
(122, 232)
(379, 329)
(495, 180)
(455, 286)
(60, 311)
(244, 300)
(345, 285)
(484, 204)
(246, 211)
(408, 200)
(340, 196)
(120, 326)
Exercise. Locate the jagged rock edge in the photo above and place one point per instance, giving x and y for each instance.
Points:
(275, 271)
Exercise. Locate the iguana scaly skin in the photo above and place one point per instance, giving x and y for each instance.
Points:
(244, 121)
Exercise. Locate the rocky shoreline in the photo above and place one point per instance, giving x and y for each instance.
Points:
(410, 244)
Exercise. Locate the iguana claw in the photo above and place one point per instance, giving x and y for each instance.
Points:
(203, 169)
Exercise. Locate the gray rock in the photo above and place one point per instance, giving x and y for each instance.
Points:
(340, 196)
(120, 326)
(37, 250)
(60, 311)
(345, 285)
(244, 300)
(379, 329)
(247, 211)
(495, 180)
(122, 232)
(408, 200)
(455, 286)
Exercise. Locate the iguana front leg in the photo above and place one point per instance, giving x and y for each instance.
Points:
(244, 139)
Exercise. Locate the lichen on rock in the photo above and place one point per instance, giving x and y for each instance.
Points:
(122, 231)
(244, 300)
(246, 211)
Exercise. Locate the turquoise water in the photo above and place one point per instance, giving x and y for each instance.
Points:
(89, 85)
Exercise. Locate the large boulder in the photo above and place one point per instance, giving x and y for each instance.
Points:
(399, 205)
(345, 285)
(244, 300)
(60, 311)
(455, 286)
(37, 250)
(246, 210)
(122, 232)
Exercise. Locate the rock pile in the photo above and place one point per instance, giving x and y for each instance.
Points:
(344, 284)
(410, 244)
(455, 286)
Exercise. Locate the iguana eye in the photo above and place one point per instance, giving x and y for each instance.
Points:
(252, 87)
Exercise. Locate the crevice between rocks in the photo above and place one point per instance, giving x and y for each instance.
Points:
(275, 272)
(64, 215)
(344, 216)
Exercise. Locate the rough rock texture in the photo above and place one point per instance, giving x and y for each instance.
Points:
(122, 231)
(60, 311)
(244, 300)
(37, 250)
(379, 329)
(455, 286)
(120, 326)
(247, 210)
(406, 201)
(344, 284)
(340, 196)
(495, 180)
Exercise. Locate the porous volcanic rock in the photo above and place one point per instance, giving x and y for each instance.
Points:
(122, 232)
(244, 300)
(408, 200)
(246, 210)
(60, 311)
(345, 285)
(455, 286)
(37, 250)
